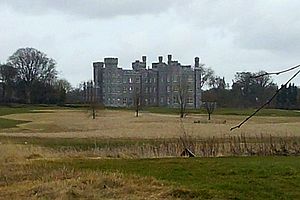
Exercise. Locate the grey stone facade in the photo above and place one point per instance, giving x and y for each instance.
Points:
(159, 85)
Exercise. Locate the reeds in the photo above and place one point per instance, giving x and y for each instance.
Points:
(241, 145)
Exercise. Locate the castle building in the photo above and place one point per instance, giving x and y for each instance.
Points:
(164, 84)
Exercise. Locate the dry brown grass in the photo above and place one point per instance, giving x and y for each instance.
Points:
(116, 124)
(17, 153)
(65, 184)
(22, 178)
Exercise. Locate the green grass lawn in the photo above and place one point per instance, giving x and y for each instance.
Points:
(209, 178)
(6, 110)
(10, 123)
(79, 144)
(18, 109)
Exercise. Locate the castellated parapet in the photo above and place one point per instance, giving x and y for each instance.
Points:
(156, 86)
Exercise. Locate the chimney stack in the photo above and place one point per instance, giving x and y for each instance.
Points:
(160, 59)
(144, 59)
(169, 58)
(197, 62)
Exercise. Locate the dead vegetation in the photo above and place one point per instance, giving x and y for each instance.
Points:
(122, 124)
(23, 177)
(24, 173)
(29, 182)
(208, 147)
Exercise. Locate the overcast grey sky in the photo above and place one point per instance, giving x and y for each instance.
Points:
(228, 36)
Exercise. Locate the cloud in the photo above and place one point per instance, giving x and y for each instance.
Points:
(228, 36)
(89, 8)
(272, 25)
(275, 28)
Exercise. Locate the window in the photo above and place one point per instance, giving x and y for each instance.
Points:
(130, 101)
(130, 89)
(174, 99)
(150, 89)
(168, 79)
(154, 89)
(190, 78)
(124, 89)
(154, 80)
(168, 88)
(124, 100)
(190, 100)
(169, 100)
(137, 80)
(175, 78)
(130, 80)
(190, 88)
(175, 88)
(154, 100)
(162, 79)
(146, 89)
(161, 100)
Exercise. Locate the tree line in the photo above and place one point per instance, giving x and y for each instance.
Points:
(251, 90)
(30, 76)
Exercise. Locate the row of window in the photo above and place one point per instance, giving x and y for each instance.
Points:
(138, 80)
(169, 79)
(128, 101)
(147, 89)
(189, 100)
(147, 101)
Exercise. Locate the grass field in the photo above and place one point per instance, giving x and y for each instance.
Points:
(235, 178)
(37, 172)
(120, 123)
(53, 153)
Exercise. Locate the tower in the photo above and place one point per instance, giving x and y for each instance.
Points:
(197, 83)
(98, 81)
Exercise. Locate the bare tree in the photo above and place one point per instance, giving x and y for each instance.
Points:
(138, 95)
(32, 66)
(137, 102)
(182, 93)
(94, 105)
(7, 77)
(207, 76)
(138, 98)
(210, 107)
(217, 82)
